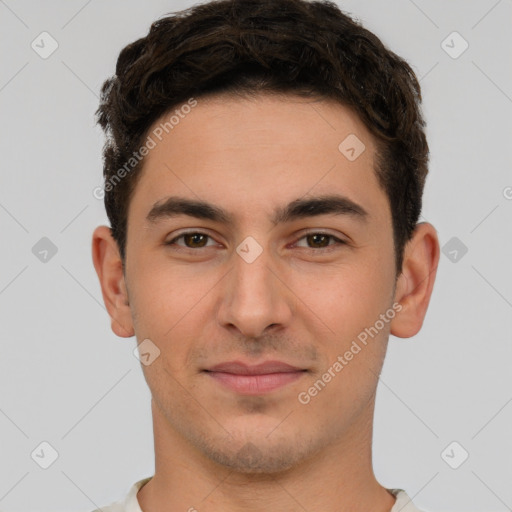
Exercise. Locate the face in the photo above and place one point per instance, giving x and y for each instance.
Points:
(254, 240)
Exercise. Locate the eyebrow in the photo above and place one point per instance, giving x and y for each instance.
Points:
(298, 209)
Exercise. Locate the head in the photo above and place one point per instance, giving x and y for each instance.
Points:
(264, 168)
(249, 47)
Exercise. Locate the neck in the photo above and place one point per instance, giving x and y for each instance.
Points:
(339, 478)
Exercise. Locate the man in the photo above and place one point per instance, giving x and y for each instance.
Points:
(264, 169)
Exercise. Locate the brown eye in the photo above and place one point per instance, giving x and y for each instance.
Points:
(192, 240)
(318, 240)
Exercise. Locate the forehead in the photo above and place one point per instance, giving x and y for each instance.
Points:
(255, 152)
(224, 121)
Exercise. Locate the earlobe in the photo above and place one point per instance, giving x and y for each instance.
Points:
(109, 268)
(416, 282)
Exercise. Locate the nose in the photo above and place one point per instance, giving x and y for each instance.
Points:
(255, 297)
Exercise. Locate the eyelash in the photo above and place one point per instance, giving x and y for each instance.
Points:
(328, 248)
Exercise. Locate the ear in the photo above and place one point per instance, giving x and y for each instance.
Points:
(109, 267)
(415, 283)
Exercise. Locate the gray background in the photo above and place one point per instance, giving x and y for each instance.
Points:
(66, 379)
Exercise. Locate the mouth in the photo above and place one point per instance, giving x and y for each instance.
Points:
(254, 379)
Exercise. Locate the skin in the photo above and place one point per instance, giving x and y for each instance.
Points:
(303, 301)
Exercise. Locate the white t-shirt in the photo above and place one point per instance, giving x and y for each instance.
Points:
(131, 504)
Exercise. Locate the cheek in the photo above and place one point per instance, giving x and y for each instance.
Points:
(346, 299)
(349, 302)
(165, 296)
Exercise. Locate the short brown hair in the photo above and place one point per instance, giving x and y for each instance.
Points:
(309, 48)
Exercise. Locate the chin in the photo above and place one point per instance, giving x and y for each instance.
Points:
(259, 446)
(253, 458)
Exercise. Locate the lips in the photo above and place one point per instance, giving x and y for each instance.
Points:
(254, 379)
(239, 368)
